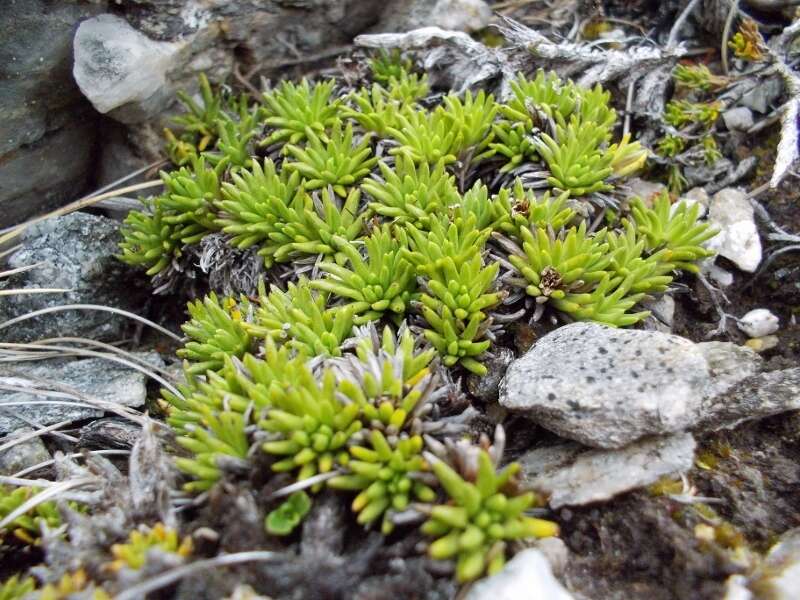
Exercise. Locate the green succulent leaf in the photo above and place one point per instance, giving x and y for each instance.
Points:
(285, 519)
(336, 162)
(148, 240)
(16, 588)
(292, 110)
(384, 283)
(189, 200)
(384, 474)
(26, 528)
(216, 331)
(456, 289)
(480, 518)
(310, 426)
(674, 228)
(389, 378)
(577, 162)
(424, 136)
(411, 193)
(300, 319)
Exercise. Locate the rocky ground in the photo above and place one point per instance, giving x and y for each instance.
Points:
(669, 454)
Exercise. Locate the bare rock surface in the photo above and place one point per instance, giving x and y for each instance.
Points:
(756, 397)
(75, 252)
(570, 474)
(57, 380)
(606, 387)
(457, 15)
(23, 454)
(117, 65)
(48, 127)
(527, 576)
(737, 240)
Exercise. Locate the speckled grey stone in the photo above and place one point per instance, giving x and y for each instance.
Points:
(607, 387)
(96, 378)
(762, 395)
(570, 474)
(728, 364)
(76, 252)
(22, 455)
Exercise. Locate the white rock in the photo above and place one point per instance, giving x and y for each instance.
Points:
(696, 195)
(758, 323)
(606, 387)
(526, 577)
(737, 240)
(739, 118)
(776, 578)
(736, 588)
(555, 551)
(570, 474)
(116, 65)
(453, 15)
(720, 276)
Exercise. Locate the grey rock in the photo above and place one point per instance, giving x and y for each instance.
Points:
(648, 191)
(607, 387)
(570, 474)
(759, 322)
(765, 394)
(555, 551)
(662, 315)
(763, 96)
(454, 15)
(74, 252)
(526, 576)
(116, 65)
(739, 118)
(22, 455)
(48, 129)
(728, 364)
(703, 174)
(737, 240)
(487, 387)
(94, 378)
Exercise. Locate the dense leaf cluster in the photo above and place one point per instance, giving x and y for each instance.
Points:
(385, 193)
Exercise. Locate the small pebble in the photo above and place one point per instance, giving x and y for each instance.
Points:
(762, 344)
(758, 323)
